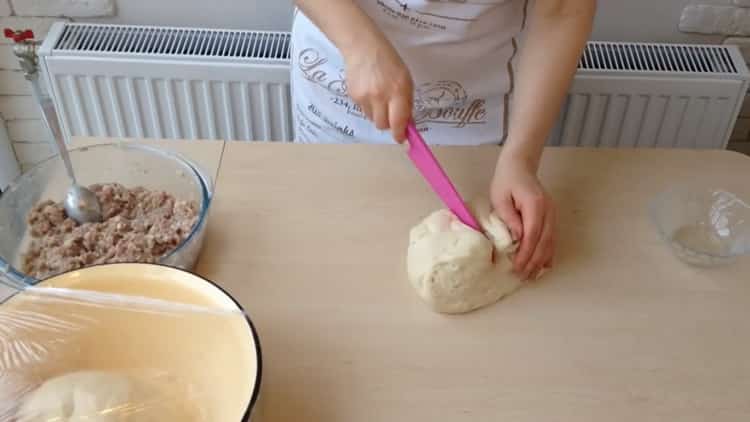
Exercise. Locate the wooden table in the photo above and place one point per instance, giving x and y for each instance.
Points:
(312, 241)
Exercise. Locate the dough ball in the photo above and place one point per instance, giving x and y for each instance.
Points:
(97, 397)
(450, 265)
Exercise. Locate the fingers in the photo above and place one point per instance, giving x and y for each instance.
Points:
(394, 115)
(550, 262)
(506, 210)
(380, 115)
(366, 109)
(399, 114)
(522, 203)
(387, 110)
(380, 83)
(533, 218)
(543, 250)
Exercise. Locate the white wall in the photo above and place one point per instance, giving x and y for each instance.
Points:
(646, 20)
(229, 14)
(626, 20)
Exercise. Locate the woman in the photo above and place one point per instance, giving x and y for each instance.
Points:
(362, 69)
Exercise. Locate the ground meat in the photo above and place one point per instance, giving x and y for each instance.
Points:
(139, 225)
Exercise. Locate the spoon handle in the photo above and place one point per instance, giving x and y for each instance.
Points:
(53, 124)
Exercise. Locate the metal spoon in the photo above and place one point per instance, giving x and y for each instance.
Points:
(80, 203)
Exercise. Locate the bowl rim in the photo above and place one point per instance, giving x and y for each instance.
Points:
(250, 408)
(204, 181)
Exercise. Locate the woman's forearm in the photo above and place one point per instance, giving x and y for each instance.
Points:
(343, 22)
(558, 31)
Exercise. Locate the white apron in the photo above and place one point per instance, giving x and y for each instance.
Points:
(461, 57)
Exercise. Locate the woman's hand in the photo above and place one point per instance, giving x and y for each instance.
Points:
(376, 77)
(380, 83)
(520, 200)
(556, 36)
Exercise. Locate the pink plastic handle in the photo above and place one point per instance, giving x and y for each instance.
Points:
(428, 165)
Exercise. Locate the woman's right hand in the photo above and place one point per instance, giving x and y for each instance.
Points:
(380, 83)
(376, 77)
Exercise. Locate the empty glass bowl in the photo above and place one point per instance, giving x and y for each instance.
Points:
(704, 227)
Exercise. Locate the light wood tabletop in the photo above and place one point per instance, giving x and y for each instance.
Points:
(311, 239)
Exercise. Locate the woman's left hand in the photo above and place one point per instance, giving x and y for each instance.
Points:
(519, 199)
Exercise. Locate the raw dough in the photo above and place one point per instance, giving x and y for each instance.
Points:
(94, 396)
(450, 265)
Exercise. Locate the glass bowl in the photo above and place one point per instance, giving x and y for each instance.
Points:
(126, 163)
(704, 227)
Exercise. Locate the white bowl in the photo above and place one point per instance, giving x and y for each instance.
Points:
(216, 357)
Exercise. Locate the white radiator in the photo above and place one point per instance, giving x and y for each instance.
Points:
(159, 82)
(654, 95)
(156, 82)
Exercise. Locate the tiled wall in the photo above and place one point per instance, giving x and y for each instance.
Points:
(730, 19)
(28, 135)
